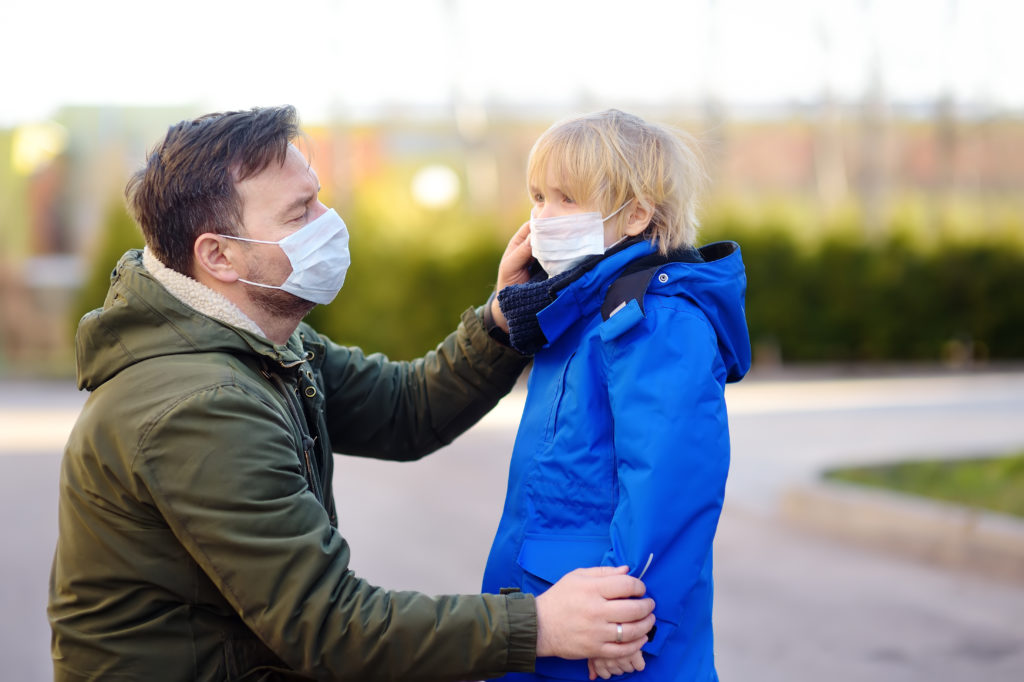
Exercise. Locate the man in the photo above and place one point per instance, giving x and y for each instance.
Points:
(198, 533)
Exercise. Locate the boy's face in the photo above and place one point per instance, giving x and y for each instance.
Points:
(551, 199)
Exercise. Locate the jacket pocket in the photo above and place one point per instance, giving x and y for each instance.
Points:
(548, 557)
(561, 372)
(544, 560)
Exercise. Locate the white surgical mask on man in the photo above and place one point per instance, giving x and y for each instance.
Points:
(563, 242)
(318, 253)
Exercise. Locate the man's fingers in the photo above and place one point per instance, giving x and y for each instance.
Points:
(522, 236)
(628, 610)
(633, 631)
(602, 571)
(619, 585)
(523, 252)
(523, 233)
(624, 650)
(634, 636)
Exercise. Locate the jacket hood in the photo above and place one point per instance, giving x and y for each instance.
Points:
(716, 285)
(140, 319)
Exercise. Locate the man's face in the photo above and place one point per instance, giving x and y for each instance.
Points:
(277, 202)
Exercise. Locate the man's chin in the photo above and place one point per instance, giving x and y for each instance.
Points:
(281, 303)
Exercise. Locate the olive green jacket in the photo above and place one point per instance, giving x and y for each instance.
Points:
(198, 533)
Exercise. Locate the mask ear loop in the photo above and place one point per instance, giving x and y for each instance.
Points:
(253, 241)
(612, 215)
(616, 211)
(246, 239)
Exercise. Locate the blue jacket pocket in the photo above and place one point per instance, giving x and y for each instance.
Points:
(549, 557)
(544, 560)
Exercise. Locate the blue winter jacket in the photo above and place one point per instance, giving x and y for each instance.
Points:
(623, 448)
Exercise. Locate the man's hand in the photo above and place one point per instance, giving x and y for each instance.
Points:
(578, 616)
(513, 268)
(606, 667)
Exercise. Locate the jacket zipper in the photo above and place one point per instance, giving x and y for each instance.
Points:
(307, 440)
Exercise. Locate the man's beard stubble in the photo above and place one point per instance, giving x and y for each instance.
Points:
(281, 303)
(275, 301)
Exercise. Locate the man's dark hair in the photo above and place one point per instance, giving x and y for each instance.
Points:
(187, 186)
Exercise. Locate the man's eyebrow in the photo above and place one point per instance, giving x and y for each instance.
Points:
(298, 203)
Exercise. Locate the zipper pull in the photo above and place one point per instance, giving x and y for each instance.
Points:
(646, 566)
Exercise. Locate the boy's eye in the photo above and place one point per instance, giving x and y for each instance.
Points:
(538, 197)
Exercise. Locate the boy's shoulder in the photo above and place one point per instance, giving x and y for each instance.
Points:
(633, 282)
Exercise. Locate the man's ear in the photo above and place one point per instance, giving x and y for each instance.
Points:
(213, 256)
(639, 218)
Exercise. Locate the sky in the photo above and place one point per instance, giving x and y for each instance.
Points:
(358, 58)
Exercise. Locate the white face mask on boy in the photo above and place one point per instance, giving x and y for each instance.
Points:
(318, 252)
(563, 242)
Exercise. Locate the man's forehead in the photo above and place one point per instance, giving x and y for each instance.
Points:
(300, 158)
(293, 164)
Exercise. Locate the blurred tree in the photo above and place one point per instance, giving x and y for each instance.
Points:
(415, 268)
(118, 234)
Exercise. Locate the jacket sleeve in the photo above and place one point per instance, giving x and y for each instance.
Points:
(671, 448)
(220, 466)
(404, 410)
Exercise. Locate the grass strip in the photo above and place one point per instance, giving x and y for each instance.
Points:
(995, 484)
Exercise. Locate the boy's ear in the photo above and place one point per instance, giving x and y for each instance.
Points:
(638, 218)
(213, 257)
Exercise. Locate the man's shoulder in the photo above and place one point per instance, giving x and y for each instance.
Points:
(157, 383)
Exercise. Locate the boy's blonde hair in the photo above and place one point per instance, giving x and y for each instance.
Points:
(607, 158)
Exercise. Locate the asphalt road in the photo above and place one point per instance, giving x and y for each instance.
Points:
(790, 605)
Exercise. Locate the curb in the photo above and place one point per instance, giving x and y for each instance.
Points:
(950, 535)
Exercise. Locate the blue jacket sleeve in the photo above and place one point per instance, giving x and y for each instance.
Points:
(665, 382)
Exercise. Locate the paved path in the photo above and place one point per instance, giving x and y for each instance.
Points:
(790, 606)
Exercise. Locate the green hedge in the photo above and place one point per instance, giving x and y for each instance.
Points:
(402, 299)
(119, 234)
(835, 298)
(847, 298)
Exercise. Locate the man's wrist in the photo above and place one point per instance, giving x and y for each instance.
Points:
(494, 330)
(522, 627)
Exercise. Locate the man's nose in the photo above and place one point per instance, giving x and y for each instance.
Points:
(318, 210)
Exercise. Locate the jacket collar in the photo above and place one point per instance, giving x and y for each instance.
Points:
(142, 319)
(581, 296)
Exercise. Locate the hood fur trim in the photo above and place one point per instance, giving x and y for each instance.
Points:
(197, 296)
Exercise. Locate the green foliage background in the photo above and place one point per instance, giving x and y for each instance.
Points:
(119, 234)
(932, 284)
(949, 287)
(414, 270)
